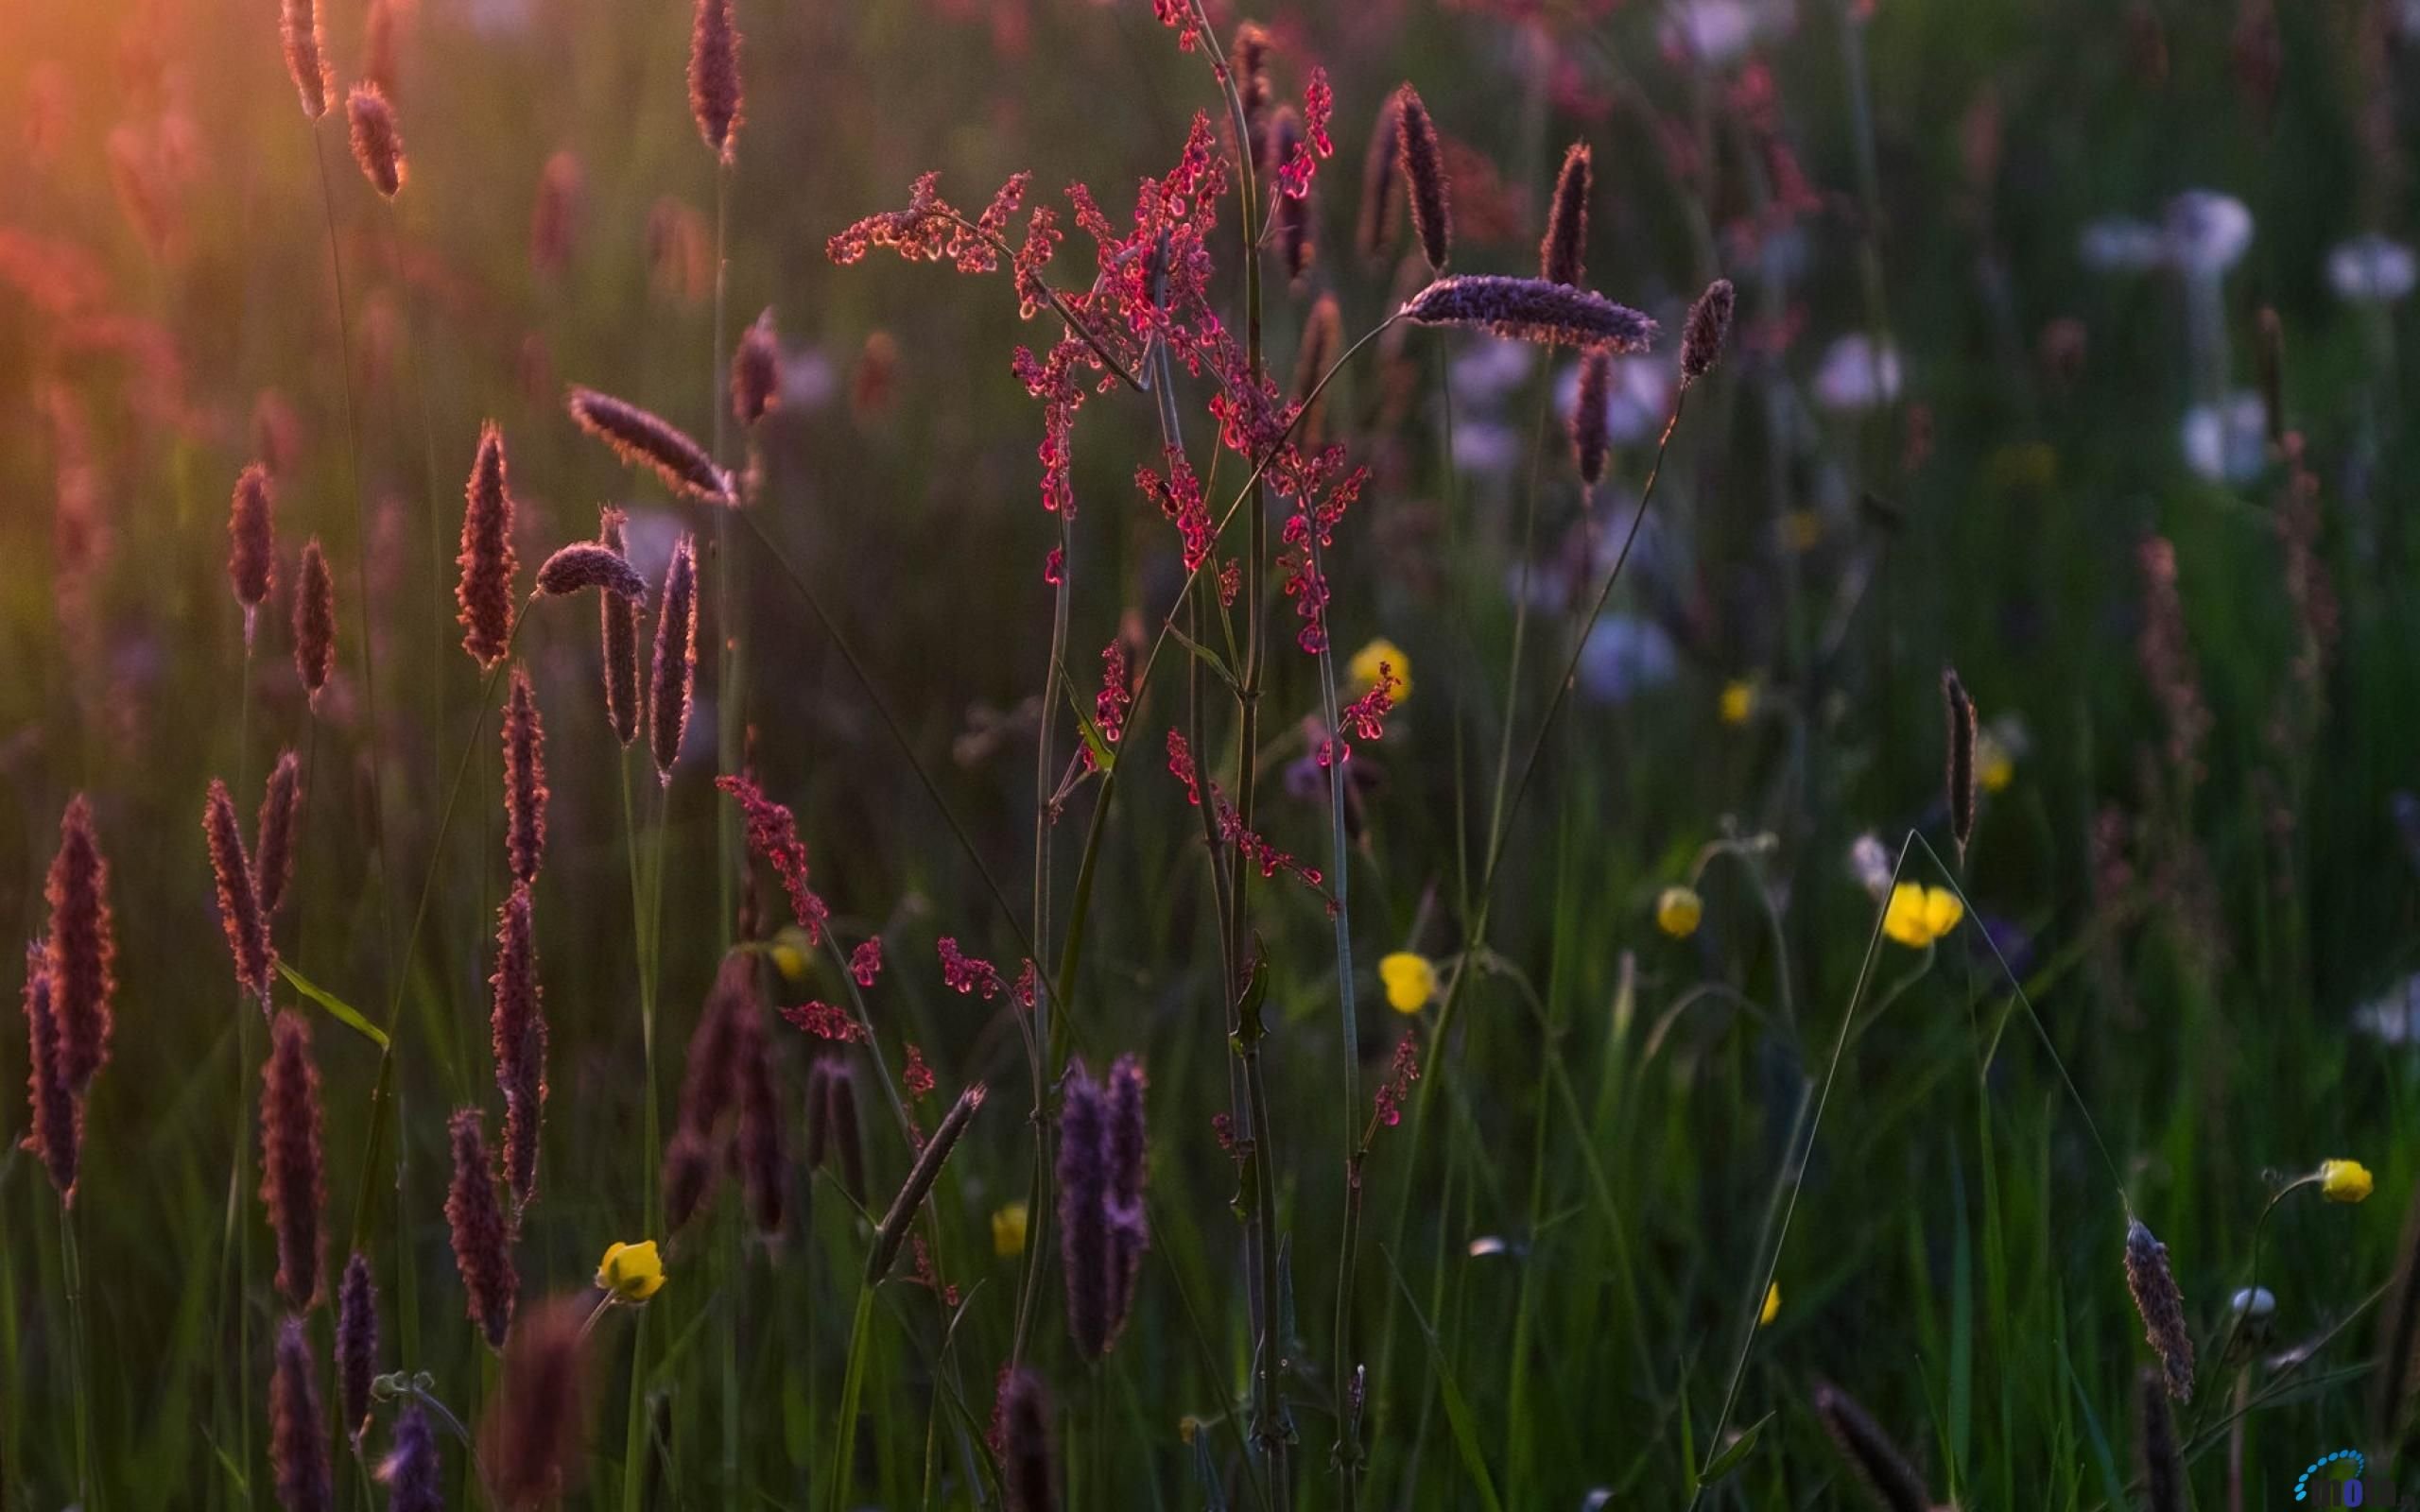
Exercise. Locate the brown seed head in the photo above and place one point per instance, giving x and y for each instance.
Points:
(586, 564)
(1590, 443)
(293, 1180)
(485, 593)
(1703, 332)
(376, 145)
(251, 551)
(1423, 175)
(530, 1442)
(315, 621)
(57, 1132)
(618, 622)
(674, 673)
(356, 1344)
(757, 1144)
(524, 780)
(1960, 710)
(1562, 257)
(643, 439)
(482, 1242)
(298, 1447)
(517, 1027)
(1375, 233)
(714, 75)
(83, 947)
(2162, 1306)
(1889, 1478)
(305, 57)
(240, 905)
(893, 1233)
(273, 837)
(756, 370)
(1529, 309)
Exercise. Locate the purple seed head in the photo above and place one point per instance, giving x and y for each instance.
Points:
(294, 1183)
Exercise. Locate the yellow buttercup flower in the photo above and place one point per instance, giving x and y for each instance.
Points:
(2343, 1180)
(1410, 981)
(1995, 763)
(1773, 1306)
(1739, 701)
(630, 1273)
(1919, 915)
(1007, 1231)
(1363, 668)
(1678, 910)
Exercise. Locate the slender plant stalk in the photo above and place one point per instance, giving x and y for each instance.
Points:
(844, 1436)
(80, 1363)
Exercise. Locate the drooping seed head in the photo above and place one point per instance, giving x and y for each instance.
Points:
(252, 548)
(586, 564)
(1889, 1478)
(644, 439)
(1423, 175)
(57, 1132)
(756, 370)
(1706, 329)
(305, 54)
(1960, 710)
(892, 1232)
(315, 621)
(1562, 257)
(485, 592)
(294, 1181)
(356, 1344)
(524, 780)
(377, 146)
(517, 1025)
(2162, 1306)
(675, 675)
(413, 1473)
(714, 75)
(618, 625)
(1375, 233)
(298, 1447)
(1591, 442)
(239, 906)
(273, 835)
(482, 1242)
(1028, 1460)
(83, 947)
(530, 1444)
(1529, 309)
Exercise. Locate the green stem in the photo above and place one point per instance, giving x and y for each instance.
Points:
(844, 1436)
(79, 1355)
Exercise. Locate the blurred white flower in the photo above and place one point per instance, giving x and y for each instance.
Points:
(2208, 232)
(1486, 1245)
(2370, 269)
(2255, 1301)
(808, 380)
(2392, 1019)
(2228, 442)
(2121, 244)
(1636, 401)
(1857, 375)
(1485, 446)
(1488, 368)
(1870, 863)
(1718, 31)
(1624, 657)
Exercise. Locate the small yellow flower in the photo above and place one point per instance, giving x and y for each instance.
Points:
(791, 951)
(1995, 763)
(1410, 981)
(1919, 915)
(1363, 668)
(1802, 530)
(1678, 910)
(2343, 1180)
(630, 1273)
(1773, 1306)
(1007, 1231)
(1738, 703)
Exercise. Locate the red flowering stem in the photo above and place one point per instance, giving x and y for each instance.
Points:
(1059, 306)
(379, 1092)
